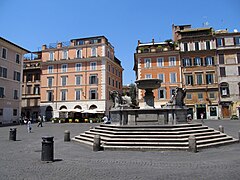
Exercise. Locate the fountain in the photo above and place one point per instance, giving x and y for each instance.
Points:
(173, 113)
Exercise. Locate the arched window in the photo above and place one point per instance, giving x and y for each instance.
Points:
(63, 107)
(77, 107)
(224, 89)
(93, 107)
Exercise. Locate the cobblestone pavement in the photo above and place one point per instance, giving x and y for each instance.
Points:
(21, 159)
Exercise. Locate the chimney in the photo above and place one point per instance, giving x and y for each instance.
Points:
(44, 47)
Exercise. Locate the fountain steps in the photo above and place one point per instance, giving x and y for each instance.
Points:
(154, 137)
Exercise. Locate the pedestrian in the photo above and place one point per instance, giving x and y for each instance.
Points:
(29, 126)
(105, 119)
(39, 121)
(201, 115)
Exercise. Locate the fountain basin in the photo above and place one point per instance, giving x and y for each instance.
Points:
(148, 83)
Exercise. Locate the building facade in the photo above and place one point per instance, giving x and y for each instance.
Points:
(79, 75)
(11, 63)
(228, 57)
(31, 86)
(158, 60)
(199, 70)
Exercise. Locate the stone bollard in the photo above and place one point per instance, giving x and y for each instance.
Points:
(47, 148)
(13, 134)
(66, 135)
(192, 143)
(238, 136)
(96, 143)
(221, 129)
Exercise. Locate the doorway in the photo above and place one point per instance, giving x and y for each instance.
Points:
(225, 112)
(201, 110)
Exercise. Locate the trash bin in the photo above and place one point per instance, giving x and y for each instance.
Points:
(47, 148)
(66, 135)
(13, 134)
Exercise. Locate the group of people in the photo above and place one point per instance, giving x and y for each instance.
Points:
(29, 123)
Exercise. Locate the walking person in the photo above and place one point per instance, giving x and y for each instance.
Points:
(202, 115)
(29, 126)
(39, 121)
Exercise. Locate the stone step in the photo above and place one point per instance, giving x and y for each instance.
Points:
(213, 140)
(225, 142)
(143, 148)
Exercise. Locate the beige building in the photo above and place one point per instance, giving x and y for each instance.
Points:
(79, 75)
(11, 67)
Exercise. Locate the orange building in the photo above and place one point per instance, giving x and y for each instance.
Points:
(79, 75)
(158, 60)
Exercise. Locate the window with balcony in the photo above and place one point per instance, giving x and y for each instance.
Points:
(161, 93)
(221, 58)
(78, 94)
(65, 54)
(15, 94)
(63, 95)
(199, 79)
(79, 53)
(161, 77)
(189, 79)
(160, 62)
(172, 61)
(2, 95)
(4, 53)
(208, 46)
(209, 79)
(78, 66)
(51, 55)
(93, 79)
(17, 58)
(93, 66)
(148, 76)
(222, 72)
(196, 46)
(64, 80)
(64, 68)
(224, 89)
(185, 46)
(173, 77)
(78, 79)
(50, 69)
(93, 94)
(197, 61)
(94, 52)
(50, 96)
(209, 61)
(147, 63)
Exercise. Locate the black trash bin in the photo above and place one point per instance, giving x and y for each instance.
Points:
(47, 148)
(13, 134)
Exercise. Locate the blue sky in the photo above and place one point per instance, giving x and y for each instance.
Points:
(32, 23)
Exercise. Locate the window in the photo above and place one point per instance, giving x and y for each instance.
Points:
(160, 62)
(94, 51)
(148, 76)
(93, 79)
(172, 91)
(185, 45)
(2, 95)
(161, 93)
(50, 69)
(49, 95)
(239, 70)
(50, 81)
(51, 56)
(172, 61)
(37, 77)
(77, 94)
(161, 77)
(113, 82)
(15, 94)
(212, 95)
(3, 72)
(220, 42)
(79, 53)
(29, 77)
(78, 66)
(109, 81)
(64, 68)
(64, 80)
(237, 40)
(80, 42)
(209, 61)
(93, 65)
(147, 63)
(93, 94)
(213, 111)
(4, 53)
(16, 76)
(189, 79)
(189, 96)
(208, 47)
(209, 79)
(199, 79)
(63, 95)
(187, 62)
(1, 112)
(200, 96)
(196, 46)
(17, 58)
(15, 112)
(173, 78)
(224, 89)
(29, 89)
(221, 58)
(65, 54)
(238, 58)
(36, 89)
(222, 72)
(197, 61)
(109, 68)
(78, 79)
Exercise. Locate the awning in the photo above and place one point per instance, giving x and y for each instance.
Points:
(63, 110)
(93, 111)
